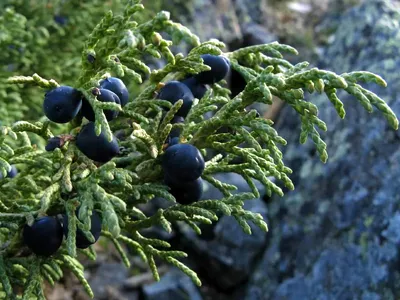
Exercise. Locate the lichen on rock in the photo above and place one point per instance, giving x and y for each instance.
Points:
(338, 243)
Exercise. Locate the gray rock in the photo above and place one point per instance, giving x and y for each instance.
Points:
(255, 34)
(370, 296)
(392, 233)
(231, 21)
(339, 273)
(250, 10)
(174, 285)
(336, 236)
(214, 19)
(107, 275)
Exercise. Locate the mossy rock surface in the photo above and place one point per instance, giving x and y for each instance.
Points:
(337, 235)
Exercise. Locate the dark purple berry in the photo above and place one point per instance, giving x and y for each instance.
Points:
(173, 91)
(103, 96)
(219, 69)
(182, 163)
(175, 132)
(198, 89)
(95, 228)
(91, 59)
(177, 119)
(116, 86)
(44, 237)
(53, 143)
(187, 193)
(61, 20)
(13, 172)
(97, 148)
(173, 141)
(62, 104)
(10, 174)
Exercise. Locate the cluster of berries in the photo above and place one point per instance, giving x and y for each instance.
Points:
(183, 164)
(195, 86)
(62, 104)
(45, 236)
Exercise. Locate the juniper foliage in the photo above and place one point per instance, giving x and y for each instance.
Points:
(52, 183)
